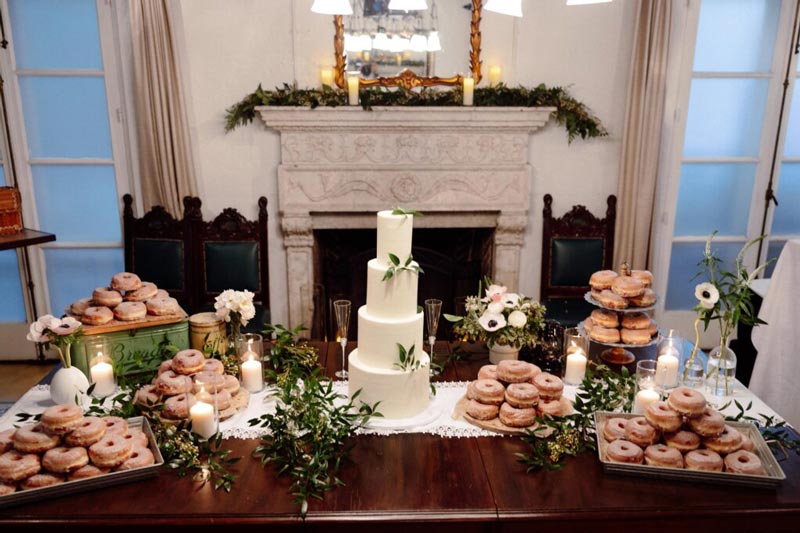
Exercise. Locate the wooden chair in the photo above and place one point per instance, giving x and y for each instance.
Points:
(573, 247)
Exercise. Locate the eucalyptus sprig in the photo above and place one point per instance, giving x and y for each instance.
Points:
(406, 212)
(407, 359)
(775, 432)
(395, 267)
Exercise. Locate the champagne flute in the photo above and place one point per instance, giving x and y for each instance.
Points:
(433, 309)
(342, 310)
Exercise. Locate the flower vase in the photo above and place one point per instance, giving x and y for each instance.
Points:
(67, 383)
(501, 352)
(235, 338)
(721, 371)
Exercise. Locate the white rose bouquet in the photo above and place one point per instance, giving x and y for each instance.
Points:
(59, 332)
(235, 307)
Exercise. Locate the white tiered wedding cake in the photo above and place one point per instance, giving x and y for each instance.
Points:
(391, 318)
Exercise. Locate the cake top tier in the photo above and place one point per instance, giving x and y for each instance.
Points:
(394, 236)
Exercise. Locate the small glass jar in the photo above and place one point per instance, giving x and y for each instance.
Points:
(204, 413)
(646, 390)
(670, 353)
(101, 373)
(251, 362)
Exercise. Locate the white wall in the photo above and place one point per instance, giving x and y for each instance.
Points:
(232, 46)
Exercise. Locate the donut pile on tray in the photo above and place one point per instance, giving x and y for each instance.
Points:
(516, 392)
(127, 298)
(67, 446)
(173, 390)
(682, 432)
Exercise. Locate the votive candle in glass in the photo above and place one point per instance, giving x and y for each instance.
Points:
(101, 371)
(252, 366)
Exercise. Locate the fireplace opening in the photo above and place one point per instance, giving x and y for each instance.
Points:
(454, 261)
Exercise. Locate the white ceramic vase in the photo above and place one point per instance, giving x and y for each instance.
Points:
(501, 352)
(67, 383)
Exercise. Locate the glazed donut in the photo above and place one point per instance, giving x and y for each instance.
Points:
(38, 481)
(145, 292)
(663, 455)
(148, 396)
(522, 395)
(747, 443)
(161, 293)
(213, 365)
(188, 362)
(517, 418)
(639, 432)
(645, 276)
(652, 328)
(683, 441)
(115, 425)
(169, 383)
(79, 306)
(550, 386)
(111, 451)
(164, 366)
(223, 398)
(163, 306)
(137, 438)
(607, 335)
(662, 417)
(710, 423)
(646, 299)
(63, 460)
(106, 297)
(97, 316)
(6, 488)
(635, 336)
(635, 321)
(549, 407)
(87, 472)
(481, 411)
(140, 457)
(605, 318)
(602, 279)
(706, 460)
(61, 419)
(16, 466)
(7, 440)
(90, 430)
(127, 311)
(209, 381)
(231, 384)
(606, 298)
(728, 442)
(488, 372)
(471, 394)
(744, 462)
(177, 407)
(125, 281)
(33, 438)
(688, 402)
(614, 429)
(514, 371)
(588, 324)
(489, 391)
(627, 286)
(623, 451)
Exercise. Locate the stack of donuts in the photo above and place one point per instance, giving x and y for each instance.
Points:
(66, 446)
(624, 290)
(612, 328)
(128, 298)
(682, 432)
(173, 389)
(516, 392)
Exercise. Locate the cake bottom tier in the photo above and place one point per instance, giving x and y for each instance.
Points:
(402, 394)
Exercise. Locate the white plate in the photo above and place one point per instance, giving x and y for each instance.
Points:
(589, 298)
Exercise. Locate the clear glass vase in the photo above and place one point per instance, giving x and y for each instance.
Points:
(721, 371)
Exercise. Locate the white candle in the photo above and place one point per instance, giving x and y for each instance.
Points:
(469, 86)
(326, 76)
(352, 90)
(576, 368)
(252, 373)
(644, 398)
(667, 370)
(103, 378)
(203, 422)
(494, 75)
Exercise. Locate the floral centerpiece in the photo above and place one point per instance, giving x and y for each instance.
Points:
(236, 308)
(61, 333)
(506, 321)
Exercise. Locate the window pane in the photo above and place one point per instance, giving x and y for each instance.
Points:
(773, 252)
(725, 117)
(714, 197)
(3, 176)
(74, 274)
(55, 34)
(736, 35)
(13, 308)
(683, 268)
(66, 116)
(792, 148)
(787, 214)
(77, 203)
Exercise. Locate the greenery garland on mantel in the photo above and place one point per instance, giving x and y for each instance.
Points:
(573, 115)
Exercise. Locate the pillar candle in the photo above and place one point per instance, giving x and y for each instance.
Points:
(576, 368)
(103, 378)
(667, 370)
(494, 75)
(252, 373)
(326, 76)
(352, 90)
(203, 420)
(469, 87)
(644, 398)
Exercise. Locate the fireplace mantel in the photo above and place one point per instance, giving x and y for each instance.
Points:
(461, 167)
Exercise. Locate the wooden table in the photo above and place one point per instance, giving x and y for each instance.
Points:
(414, 481)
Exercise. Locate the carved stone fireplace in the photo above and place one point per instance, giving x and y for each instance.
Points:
(461, 167)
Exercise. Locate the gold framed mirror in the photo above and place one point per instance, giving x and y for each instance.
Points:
(407, 77)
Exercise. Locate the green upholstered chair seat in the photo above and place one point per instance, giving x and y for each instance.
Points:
(160, 261)
(574, 260)
(232, 265)
(567, 311)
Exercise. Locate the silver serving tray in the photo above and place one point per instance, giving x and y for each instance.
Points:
(589, 298)
(772, 479)
(97, 482)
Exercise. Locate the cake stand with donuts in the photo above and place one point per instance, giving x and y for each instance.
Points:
(621, 321)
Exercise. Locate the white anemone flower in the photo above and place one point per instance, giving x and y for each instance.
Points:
(517, 319)
(492, 322)
(495, 308)
(36, 332)
(495, 292)
(510, 299)
(708, 295)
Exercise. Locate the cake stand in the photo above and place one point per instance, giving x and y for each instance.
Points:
(618, 353)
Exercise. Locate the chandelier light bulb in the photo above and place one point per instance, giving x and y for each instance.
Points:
(434, 44)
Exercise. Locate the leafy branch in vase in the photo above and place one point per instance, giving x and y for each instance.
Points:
(408, 359)
(395, 267)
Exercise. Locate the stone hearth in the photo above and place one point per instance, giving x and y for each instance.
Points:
(461, 167)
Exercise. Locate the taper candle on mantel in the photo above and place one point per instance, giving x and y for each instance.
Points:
(468, 90)
(495, 75)
(326, 76)
(352, 90)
